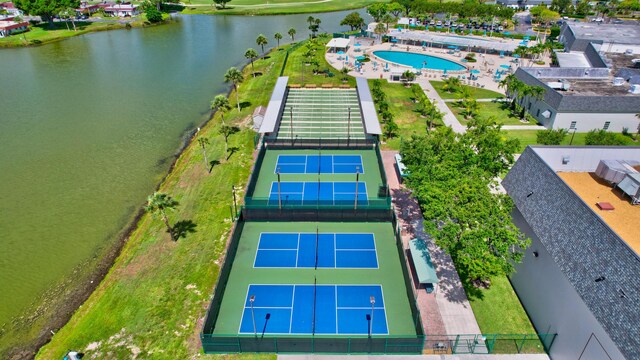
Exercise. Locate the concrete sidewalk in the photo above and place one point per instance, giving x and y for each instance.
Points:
(447, 310)
(449, 119)
(416, 357)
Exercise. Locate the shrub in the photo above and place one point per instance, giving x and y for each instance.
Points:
(602, 137)
(153, 15)
(550, 136)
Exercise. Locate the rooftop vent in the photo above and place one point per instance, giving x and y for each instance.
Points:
(628, 51)
(618, 81)
(635, 89)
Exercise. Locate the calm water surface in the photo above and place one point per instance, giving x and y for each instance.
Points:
(88, 127)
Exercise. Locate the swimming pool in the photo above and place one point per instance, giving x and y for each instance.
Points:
(418, 60)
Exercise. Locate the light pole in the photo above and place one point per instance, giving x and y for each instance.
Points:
(253, 315)
(279, 197)
(372, 299)
(235, 204)
(355, 203)
(572, 135)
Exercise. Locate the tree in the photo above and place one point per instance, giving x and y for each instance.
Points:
(380, 30)
(160, 202)
(470, 108)
(153, 14)
(527, 91)
(262, 41)
(377, 11)
(203, 141)
(278, 37)
(234, 76)
(451, 85)
(560, 6)
(354, 21)
(226, 131)
(221, 3)
(315, 26)
(387, 19)
(68, 14)
(292, 33)
(395, 9)
(408, 77)
(602, 137)
(221, 104)
(452, 176)
(47, 10)
(251, 54)
(513, 86)
(550, 136)
(311, 20)
(390, 129)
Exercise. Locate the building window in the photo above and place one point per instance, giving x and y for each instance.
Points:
(572, 126)
(606, 125)
(529, 106)
(538, 113)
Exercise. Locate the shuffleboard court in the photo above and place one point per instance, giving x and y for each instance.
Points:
(319, 164)
(318, 192)
(322, 250)
(314, 309)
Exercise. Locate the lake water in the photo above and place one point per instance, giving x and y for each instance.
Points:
(88, 126)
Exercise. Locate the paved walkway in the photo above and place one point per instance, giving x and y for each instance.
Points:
(415, 357)
(449, 119)
(447, 310)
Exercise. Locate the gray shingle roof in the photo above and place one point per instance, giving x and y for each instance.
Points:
(583, 247)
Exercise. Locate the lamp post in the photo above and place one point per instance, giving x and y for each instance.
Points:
(279, 197)
(572, 135)
(355, 203)
(372, 299)
(253, 315)
(235, 204)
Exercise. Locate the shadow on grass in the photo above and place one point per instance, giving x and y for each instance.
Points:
(232, 150)
(213, 164)
(245, 104)
(182, 228)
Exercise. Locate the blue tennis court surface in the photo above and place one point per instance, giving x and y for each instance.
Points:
(290, 250)
(339, 309)
(319, 164)
(314, 192)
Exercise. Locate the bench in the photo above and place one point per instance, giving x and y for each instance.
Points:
(402, 169)
(422, 263)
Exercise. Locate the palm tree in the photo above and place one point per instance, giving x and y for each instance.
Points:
(226, 131)
(451, 85)
(160, 202)
(408, 77)
(536, 92)
(434, 115)
(278, 37)
(470, 108)
(221, 104)
(251, 54)
(513, 86)
(203, 141)
(234, 76)
(380, 30)
(262, 41)
(386, 19)
(292, 33)
(310, 20)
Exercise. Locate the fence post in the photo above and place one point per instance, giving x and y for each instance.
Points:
(349, 345)
(455, 345)
(275, 344)
(239, 345)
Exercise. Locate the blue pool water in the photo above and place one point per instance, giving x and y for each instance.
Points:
(417, 60)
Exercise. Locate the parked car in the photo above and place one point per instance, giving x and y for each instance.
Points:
(432, 22)
(598, 19)
(500, 28)
(439, 23)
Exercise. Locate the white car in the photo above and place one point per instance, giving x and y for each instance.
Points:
(598, 19)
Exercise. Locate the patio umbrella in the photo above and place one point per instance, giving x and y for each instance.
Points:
(340, 52)
(360, 58)
(505, 66)
(394, 40)
(346, 58)
(451, 47)
(474, 71)
(386, 66)
(358, 44)
(445, 72)
(516, 56)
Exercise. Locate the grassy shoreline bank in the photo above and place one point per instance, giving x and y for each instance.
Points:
(289, 7)
(41, 34)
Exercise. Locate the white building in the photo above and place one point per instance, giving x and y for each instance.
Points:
(123, 10)
(11, 27)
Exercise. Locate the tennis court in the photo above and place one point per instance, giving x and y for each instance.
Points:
(311, 309)
(319, 164)
(291, 193)
(316, 250)
(321, 114)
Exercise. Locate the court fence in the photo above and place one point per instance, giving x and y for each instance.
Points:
(279, 143)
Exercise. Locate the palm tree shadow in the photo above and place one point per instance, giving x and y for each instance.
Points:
(246, 104)
(232, 150)
(184, 227)
(213, 163)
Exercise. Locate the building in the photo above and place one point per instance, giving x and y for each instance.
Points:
(581, 99)
(8, 28)
(525, 4)
(581, 276)
(89, 9)
(10, 8)
(608, 38)
(122, 10)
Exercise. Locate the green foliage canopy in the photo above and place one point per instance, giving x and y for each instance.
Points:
(453, 178)
(46, 9)
(602, 137)
(354, 21)
(550, 136)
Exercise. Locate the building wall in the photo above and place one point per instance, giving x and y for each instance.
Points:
(554, 306)
(584, 121)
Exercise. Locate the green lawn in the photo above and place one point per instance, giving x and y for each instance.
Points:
(301, 73)
(499, 110)
(476, 92)
(274, 7)
(499, 311)
(42, 34)
(153, 299)
(528, 137)
(401, 105)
